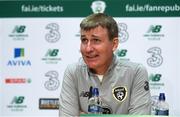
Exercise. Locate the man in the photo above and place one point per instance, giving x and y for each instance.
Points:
(123, 86)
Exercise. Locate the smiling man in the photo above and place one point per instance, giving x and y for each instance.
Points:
(123, 86)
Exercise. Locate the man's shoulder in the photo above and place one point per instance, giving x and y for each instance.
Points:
(129, 64)
(126, 63)
(77, 65)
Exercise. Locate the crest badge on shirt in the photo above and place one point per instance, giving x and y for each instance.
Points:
(119, 93)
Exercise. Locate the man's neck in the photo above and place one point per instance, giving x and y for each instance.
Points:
(102, 70)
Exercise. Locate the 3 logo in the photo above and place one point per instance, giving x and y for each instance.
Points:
(156, 58)
(123, 34)
(53, 82)
(53, 35)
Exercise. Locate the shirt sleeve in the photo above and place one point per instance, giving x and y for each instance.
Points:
(140, 101)
(68, 102)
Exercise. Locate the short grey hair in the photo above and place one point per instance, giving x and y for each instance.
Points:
(103, 20)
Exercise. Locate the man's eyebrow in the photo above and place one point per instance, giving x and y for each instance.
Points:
(92, 36)
(82, 36)
(95, 36)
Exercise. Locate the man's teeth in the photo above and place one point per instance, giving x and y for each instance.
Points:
(91, 56)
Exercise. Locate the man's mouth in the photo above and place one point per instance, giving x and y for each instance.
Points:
(91, 57)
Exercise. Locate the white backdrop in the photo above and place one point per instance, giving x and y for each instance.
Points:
(37, 64)
(34, 53)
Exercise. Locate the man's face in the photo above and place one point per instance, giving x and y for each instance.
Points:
(97, 49)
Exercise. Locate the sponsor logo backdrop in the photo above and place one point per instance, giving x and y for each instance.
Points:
(38, 39)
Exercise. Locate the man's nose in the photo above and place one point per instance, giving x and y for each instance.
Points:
(89, 47)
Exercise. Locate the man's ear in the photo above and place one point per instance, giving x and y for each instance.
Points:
(115, 43)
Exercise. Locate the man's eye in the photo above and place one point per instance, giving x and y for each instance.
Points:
(96, 40)
(84, 40)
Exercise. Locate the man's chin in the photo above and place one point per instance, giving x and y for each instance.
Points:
(91, 66)
(92, 69)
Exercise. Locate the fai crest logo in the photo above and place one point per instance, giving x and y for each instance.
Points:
(98, 6)
(120, 93)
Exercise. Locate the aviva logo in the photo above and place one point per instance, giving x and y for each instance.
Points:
(19, 55)
(18, 52)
